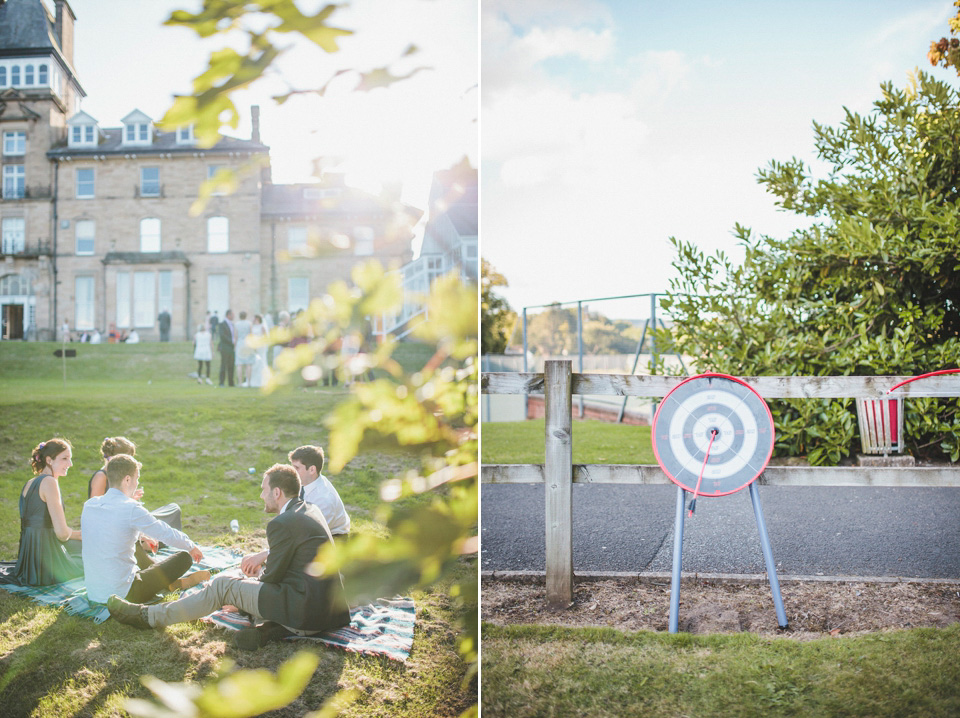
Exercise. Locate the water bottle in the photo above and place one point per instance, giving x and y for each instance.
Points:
(235, 526)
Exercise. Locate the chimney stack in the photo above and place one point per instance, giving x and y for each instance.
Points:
(255, 123)
(64, 28)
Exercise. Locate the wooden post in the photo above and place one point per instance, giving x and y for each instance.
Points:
(558, 477)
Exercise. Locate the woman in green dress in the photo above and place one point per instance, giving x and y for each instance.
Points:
(43, 558)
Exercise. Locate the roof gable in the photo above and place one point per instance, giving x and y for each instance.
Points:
(136, 116)
(81, 118)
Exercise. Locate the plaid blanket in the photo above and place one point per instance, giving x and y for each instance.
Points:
(384, 628)
(72, 595)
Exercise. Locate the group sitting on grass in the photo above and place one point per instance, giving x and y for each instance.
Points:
(111, 551)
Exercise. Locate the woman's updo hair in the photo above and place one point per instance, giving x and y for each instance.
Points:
(47, 449)
(114, 445)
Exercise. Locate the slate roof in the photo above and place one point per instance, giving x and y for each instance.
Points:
(25, 26)
(464, 218)
(111, 143)
(26, 29)
(287, 200)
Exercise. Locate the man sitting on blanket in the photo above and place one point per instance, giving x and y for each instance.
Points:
(113, 522)
(286, 595)
(315, 489)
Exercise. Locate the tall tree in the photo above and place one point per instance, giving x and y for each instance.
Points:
(869, 288)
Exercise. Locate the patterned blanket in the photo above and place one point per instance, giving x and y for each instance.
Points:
(72, 595)
(384, 628)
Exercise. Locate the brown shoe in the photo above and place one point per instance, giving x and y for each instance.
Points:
(191, 579)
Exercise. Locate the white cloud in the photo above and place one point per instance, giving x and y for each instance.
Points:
(659, 73)
(511, 59)
(542, 43)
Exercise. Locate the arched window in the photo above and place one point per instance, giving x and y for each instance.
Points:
(28, 75)
(42, 76)
(3, 76)
(13, 285)
(15, 76)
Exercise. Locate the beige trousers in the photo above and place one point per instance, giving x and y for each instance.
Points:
(223, 590)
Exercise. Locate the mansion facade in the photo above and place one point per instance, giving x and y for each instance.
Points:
(100, 226)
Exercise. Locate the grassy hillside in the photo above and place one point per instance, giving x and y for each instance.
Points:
(196, 443)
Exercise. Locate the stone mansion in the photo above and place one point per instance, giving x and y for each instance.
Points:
(97, 227)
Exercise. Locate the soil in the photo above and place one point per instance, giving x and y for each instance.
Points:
(814, 609)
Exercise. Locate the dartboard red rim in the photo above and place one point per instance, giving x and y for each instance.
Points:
(653, 434)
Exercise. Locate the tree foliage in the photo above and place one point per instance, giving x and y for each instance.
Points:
(496, 318)
(554, 333)
(434, 411)
(869, 288)
(947, 52)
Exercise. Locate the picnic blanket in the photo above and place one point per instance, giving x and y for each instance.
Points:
(72, 595)
(384, 628)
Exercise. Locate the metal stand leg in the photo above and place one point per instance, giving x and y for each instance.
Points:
(767, 557)
(677, 561)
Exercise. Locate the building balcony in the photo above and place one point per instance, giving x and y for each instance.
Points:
(34, 192)
(25, 250)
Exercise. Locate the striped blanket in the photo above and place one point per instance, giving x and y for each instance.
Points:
(72, 595)
(384, 628)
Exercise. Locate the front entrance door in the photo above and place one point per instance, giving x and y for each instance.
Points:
(12, 321)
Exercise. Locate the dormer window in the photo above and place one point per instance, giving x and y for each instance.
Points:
(138, 133)
(82, 131)
(137, 129)
(185, 135)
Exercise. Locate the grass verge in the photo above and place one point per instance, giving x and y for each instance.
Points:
(196, 443)
(539, 671)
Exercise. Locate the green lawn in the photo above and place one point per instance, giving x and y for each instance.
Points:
(196, 444)
(594, 442)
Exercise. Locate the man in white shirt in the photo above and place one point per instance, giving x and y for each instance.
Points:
(287, 596)
(112, 523)
(317, 490)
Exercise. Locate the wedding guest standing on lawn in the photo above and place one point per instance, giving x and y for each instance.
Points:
(113, 522)
(227, 342)
(203, 352)
(43, 558)
(244, 351)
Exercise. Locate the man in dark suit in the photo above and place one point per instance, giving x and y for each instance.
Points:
(285, 595)
(228, 341)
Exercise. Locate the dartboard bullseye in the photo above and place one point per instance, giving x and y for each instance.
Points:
(717, 426)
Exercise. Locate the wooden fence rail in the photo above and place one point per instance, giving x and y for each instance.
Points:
(558, 385)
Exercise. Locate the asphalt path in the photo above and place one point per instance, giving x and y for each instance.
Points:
(834, 531)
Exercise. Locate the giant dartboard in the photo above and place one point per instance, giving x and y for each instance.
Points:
(725, 409)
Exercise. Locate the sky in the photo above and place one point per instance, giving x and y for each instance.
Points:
(609, 126)
(127, 60)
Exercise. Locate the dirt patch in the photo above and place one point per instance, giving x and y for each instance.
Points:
(814, 610)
